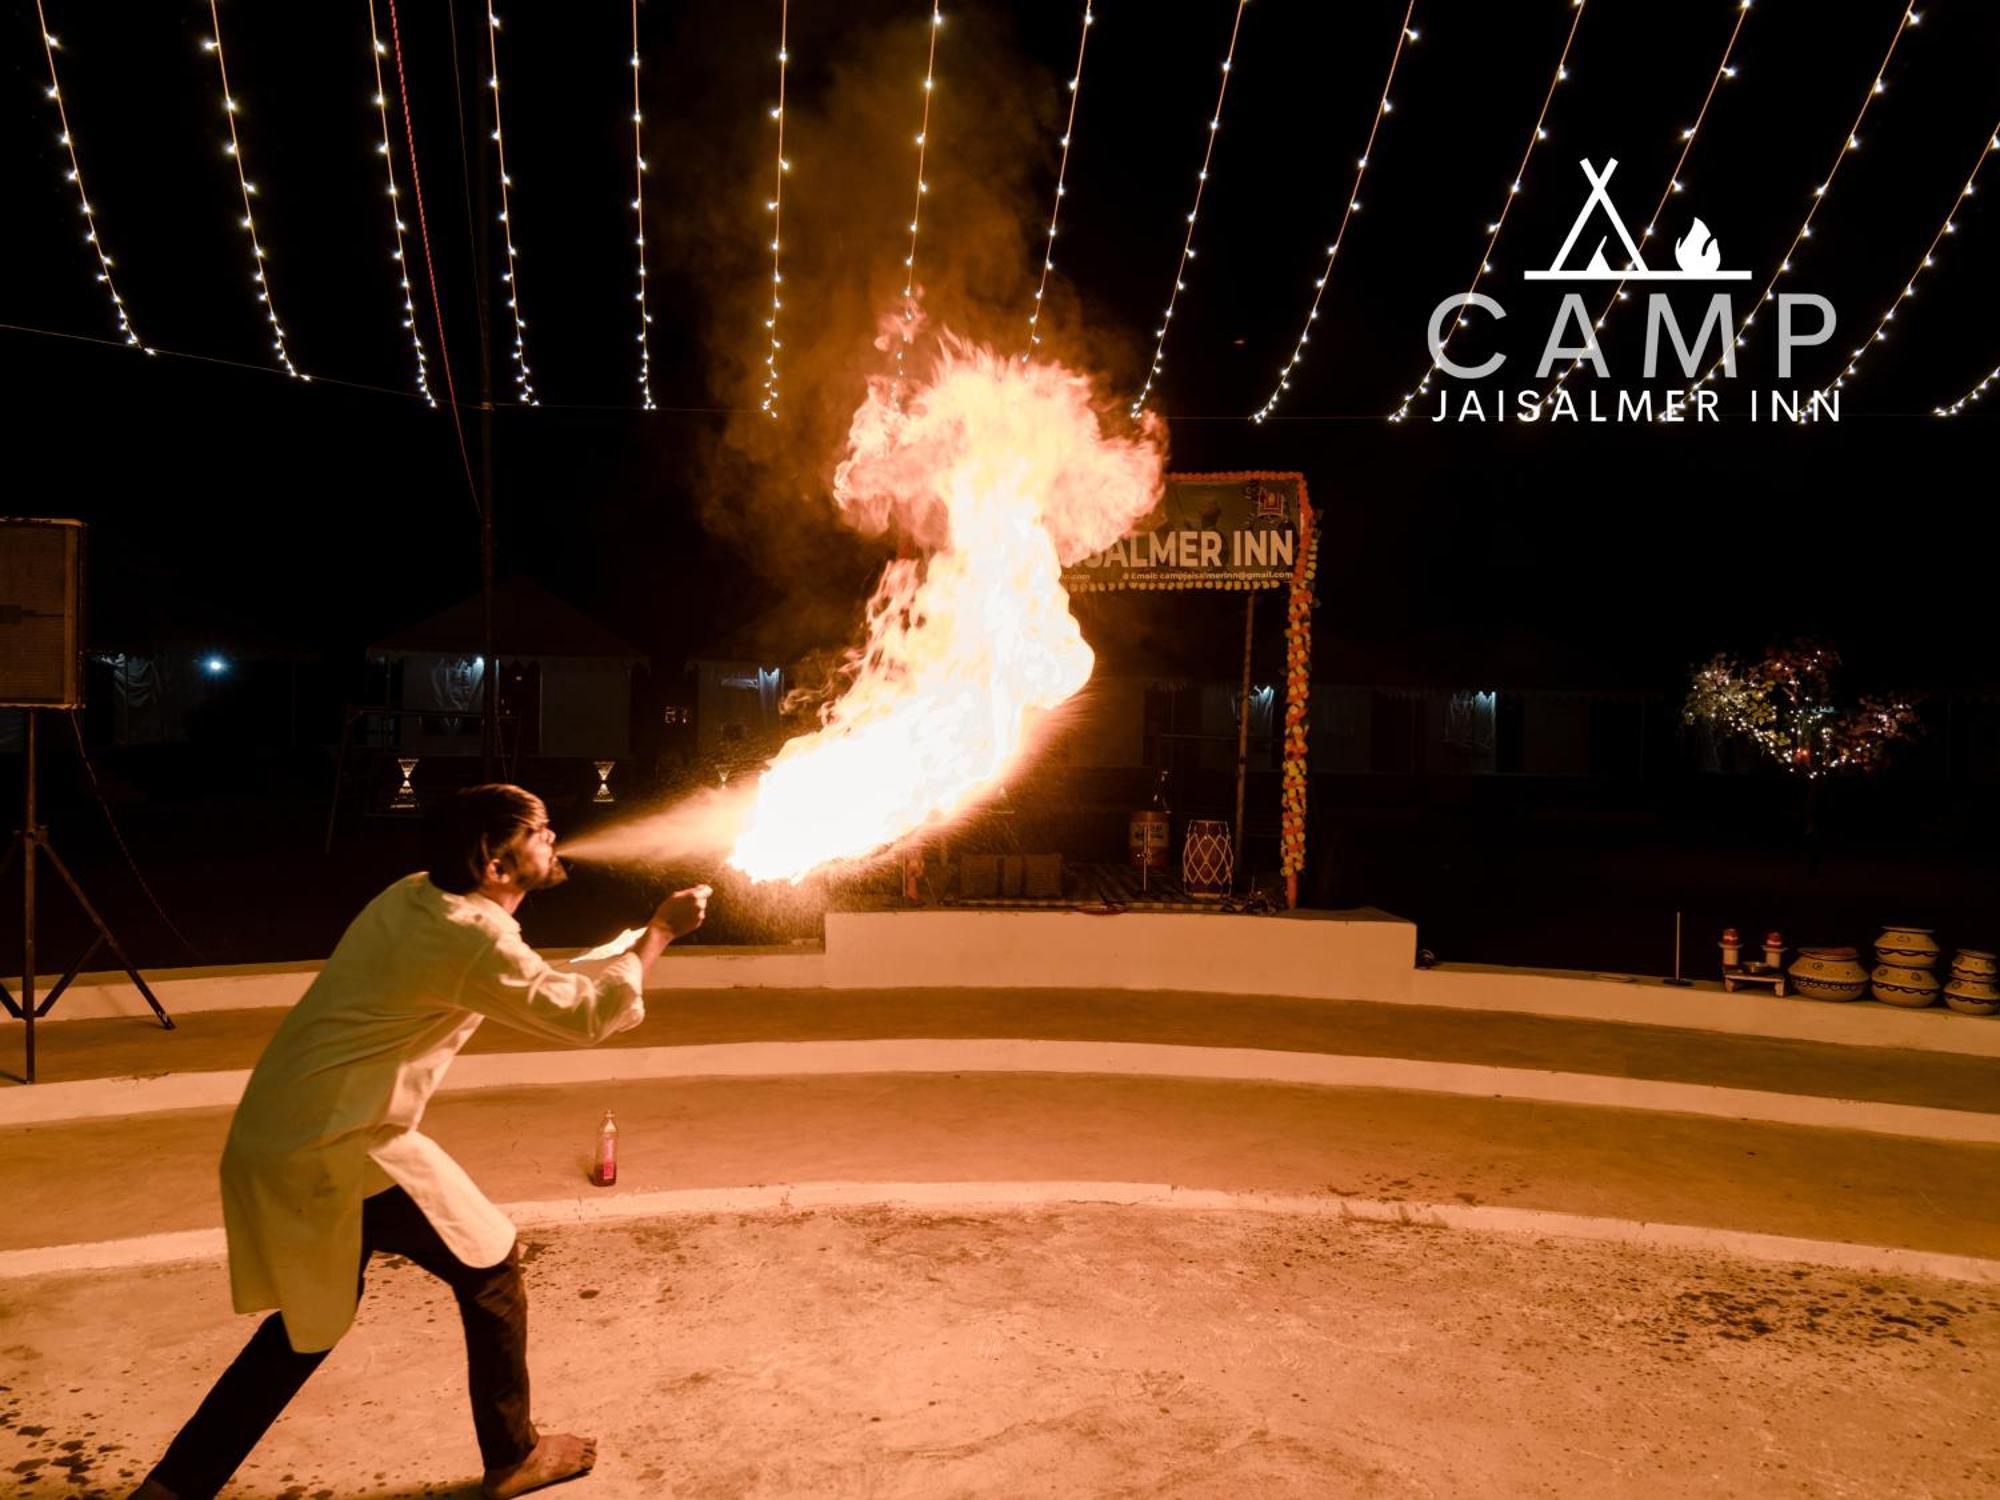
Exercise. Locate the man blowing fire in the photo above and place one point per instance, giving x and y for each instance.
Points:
(325, 1165)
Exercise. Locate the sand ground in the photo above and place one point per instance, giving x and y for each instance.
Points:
(1066, 1352)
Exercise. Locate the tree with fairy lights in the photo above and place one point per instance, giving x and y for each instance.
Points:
(1784, 704)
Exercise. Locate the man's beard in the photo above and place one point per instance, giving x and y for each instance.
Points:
(554, 875)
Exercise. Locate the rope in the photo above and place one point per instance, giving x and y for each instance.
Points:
(430, 265)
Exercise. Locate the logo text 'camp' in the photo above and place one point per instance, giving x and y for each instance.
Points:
(1698, 258)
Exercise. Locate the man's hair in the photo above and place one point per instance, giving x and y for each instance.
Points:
(468, 828)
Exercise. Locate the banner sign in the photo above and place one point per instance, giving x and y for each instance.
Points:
(1221, 531)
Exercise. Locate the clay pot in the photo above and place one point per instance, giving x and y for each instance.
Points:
(1829, 974)
(1972, 994)
(1972, 963)
(1910, 988)
(1906, 948)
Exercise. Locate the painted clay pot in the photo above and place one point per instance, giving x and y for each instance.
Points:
(1911, 988)
(1906, 948)
(1829, 974)
(1972, 963)
(1732, 948)
(1972, 997)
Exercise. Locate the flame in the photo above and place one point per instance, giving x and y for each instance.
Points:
(1002, 473)
(1697, 252)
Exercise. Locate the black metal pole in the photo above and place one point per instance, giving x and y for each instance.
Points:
(1243, 729)
(489, 679)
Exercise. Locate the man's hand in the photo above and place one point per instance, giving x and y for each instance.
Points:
(675, 917)
(681, 912)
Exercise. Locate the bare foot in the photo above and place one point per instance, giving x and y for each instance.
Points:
(557, 1456)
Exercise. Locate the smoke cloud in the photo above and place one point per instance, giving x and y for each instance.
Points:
(852, 111)
(853, 108)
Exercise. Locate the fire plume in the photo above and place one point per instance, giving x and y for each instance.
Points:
(1001, 473)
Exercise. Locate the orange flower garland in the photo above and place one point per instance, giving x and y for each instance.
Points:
(1298, 689)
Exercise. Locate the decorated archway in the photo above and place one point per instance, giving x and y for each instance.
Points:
(1240, 532)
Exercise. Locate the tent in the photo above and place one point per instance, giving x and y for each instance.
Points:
(565, 679)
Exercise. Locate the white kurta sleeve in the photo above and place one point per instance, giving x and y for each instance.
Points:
(580, 1003)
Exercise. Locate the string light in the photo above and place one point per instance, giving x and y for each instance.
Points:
(377, 52)
(1405, 35)
(639, 215)
(1724, 70)
(234, 150)
(1949, 226)
(1785, 705)
(75, 174)
(1535, 137)
(1062, 172)
(1851, 142)
(777, 210)
(523, 378)
(1970, 396)
(1187, 243)
(917, 208)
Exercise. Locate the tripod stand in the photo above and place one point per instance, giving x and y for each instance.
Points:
(28, 841)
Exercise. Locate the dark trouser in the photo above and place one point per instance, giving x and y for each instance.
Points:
(492, 1302)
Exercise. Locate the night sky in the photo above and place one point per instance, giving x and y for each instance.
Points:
(233, 504)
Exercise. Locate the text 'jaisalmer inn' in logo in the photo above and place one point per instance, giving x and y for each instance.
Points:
(1804, 319)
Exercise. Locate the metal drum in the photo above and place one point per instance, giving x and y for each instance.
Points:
(1208, 863)
(1146, 840)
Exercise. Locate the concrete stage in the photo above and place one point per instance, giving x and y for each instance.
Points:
(1470, 1116)
(1360, 954)
(1154, 1011)
(1263, 1177)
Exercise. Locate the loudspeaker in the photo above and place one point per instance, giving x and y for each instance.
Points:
(41, 613)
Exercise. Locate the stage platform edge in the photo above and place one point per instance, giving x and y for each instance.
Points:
(1362, 954)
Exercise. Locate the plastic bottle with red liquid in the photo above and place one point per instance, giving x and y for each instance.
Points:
(606, 1172)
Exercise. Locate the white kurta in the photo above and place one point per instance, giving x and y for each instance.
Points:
(331, 1111)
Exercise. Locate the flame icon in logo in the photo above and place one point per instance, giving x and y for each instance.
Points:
(1697, 253)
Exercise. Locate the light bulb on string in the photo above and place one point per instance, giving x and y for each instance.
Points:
(67, 140)
(917, 207)
(1986, 382)
(1158, 361)
(1850, 142)
(260, 277)
(1724, 71)
(1062, 172)
(377, 50)
(639, 218)
(1926, 262)
(776, 207)
(1404, 36)
(1536, 135)
(524, 381)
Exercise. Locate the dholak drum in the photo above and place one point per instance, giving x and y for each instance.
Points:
(1147, 839)
(1207, 862)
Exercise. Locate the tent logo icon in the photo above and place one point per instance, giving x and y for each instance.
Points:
(1697, 256)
